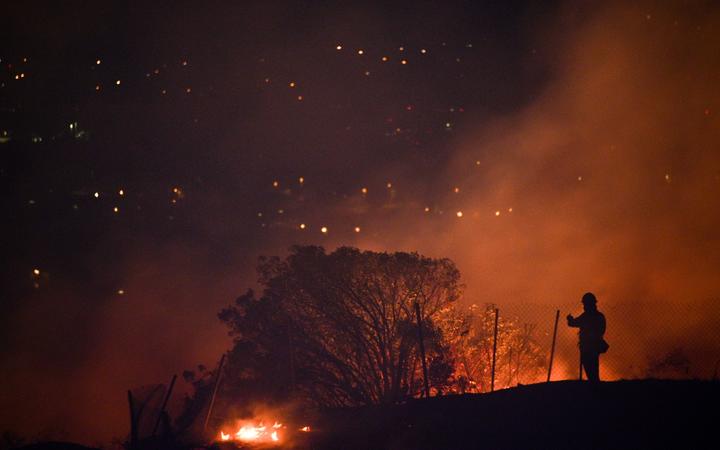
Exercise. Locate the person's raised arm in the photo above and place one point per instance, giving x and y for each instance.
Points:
(573, 321)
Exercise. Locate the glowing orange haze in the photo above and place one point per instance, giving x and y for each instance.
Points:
(613, 177)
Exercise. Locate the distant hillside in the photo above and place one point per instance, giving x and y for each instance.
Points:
(568, 414)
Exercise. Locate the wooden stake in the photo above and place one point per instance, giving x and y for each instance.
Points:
(215, 389)
(492, 376)
(422, 350)
(552, 350)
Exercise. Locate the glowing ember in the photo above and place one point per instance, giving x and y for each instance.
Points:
(305, 429)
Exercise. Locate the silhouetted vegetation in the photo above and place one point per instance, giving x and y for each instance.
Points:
(673, 364)
(339, 329)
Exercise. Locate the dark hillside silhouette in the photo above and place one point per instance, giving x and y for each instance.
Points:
(641, 414)
(559, 415)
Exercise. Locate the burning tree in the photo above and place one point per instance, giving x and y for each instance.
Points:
(519, 358)
(339, 329)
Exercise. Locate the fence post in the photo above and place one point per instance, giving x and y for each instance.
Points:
(422, 349)
(133, 422)
(552, 350)
(492, 376)
(215, 389)
(164, 404)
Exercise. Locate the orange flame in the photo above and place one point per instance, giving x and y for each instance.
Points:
(253, 432)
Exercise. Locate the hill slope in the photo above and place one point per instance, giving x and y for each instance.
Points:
(568, 414)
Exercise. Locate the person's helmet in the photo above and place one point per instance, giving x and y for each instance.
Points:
(589, 299)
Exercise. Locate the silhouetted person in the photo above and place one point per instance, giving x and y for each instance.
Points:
(592, 328)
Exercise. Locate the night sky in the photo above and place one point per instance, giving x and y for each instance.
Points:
(150, 153)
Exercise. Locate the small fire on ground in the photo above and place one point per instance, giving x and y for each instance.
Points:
(257, 432)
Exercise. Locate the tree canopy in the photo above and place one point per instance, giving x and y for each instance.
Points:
(340, 328)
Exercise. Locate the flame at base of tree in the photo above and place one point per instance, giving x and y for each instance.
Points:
(255, 432)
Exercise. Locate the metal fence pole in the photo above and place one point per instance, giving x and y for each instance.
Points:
(492, 376)
(164, 404)
(552, 350)
(215, 389)
(422, 349)
(133, 422)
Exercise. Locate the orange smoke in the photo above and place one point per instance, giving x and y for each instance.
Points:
(613, 176)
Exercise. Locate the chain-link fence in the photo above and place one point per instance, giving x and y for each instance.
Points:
(646, 341)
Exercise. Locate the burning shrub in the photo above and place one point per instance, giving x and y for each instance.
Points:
(469, 332)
